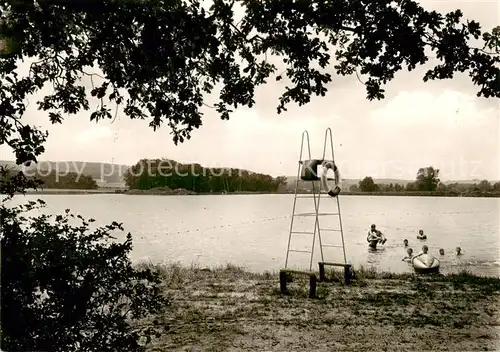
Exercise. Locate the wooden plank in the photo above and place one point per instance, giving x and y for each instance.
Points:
(312, 281)
(347, 271)
(334, 264)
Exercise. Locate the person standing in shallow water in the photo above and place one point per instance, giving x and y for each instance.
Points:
(458, 250)
(405, 242)
(441, 251)
(374, 234)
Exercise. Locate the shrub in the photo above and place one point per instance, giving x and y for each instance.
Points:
(68, 287)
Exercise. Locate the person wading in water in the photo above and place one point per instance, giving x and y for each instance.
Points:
(374, 234)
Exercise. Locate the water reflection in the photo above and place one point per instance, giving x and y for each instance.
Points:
(375, 255)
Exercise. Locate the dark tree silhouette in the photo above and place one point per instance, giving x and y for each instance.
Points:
(368, 185)
(147, 174)
(427, 179)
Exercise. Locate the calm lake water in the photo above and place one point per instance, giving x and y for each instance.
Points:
(252, 230)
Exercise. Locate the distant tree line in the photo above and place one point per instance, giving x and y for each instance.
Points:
(427, 180)
(53, 179)
(98, 171)
(156, 173)
(67, 180)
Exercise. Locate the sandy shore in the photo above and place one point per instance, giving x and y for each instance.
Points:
(229, 309)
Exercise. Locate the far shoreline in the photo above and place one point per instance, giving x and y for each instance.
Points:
(190, 193)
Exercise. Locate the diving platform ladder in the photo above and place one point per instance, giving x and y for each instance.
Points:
(317, 193)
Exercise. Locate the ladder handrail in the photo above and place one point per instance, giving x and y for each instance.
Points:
(338, 201)
(331, 144)
(304, 134)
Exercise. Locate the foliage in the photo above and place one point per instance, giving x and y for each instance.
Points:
(67, 287)
(368, 185)
(160, 60)
(67, 180)
(427, 179)
(354, 189)
(44, 179)
(483, 188)
(391, 187)
(147, 174)
(14, 181)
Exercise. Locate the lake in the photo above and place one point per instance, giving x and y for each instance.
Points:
(252, 230)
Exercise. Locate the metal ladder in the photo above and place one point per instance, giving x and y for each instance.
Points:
(317, 197)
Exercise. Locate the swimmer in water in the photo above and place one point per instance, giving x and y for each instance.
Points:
(458, 250)
(374, 234)
(409, 256)
(441, 251)
(425, 249)
(405, 242)
(421, 235)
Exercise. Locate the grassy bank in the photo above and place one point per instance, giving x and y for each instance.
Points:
(229, 309)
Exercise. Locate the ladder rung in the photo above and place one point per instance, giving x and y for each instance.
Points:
(303, 232)
(336, 230)
(331, 245)
(313, 214)
(294, 250)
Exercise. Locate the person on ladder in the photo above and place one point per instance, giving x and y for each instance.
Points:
(309, 173)
(374, 234)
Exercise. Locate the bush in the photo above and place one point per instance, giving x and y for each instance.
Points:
(66, 287)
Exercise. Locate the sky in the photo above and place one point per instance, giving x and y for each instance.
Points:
(441, 124)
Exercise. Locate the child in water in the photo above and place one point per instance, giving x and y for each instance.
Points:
(409, 256)
(405, 242)
(425, 249)
(441, 251)
(458, 250)
(421, 235)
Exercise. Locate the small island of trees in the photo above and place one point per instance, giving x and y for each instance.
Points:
(150, 174)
